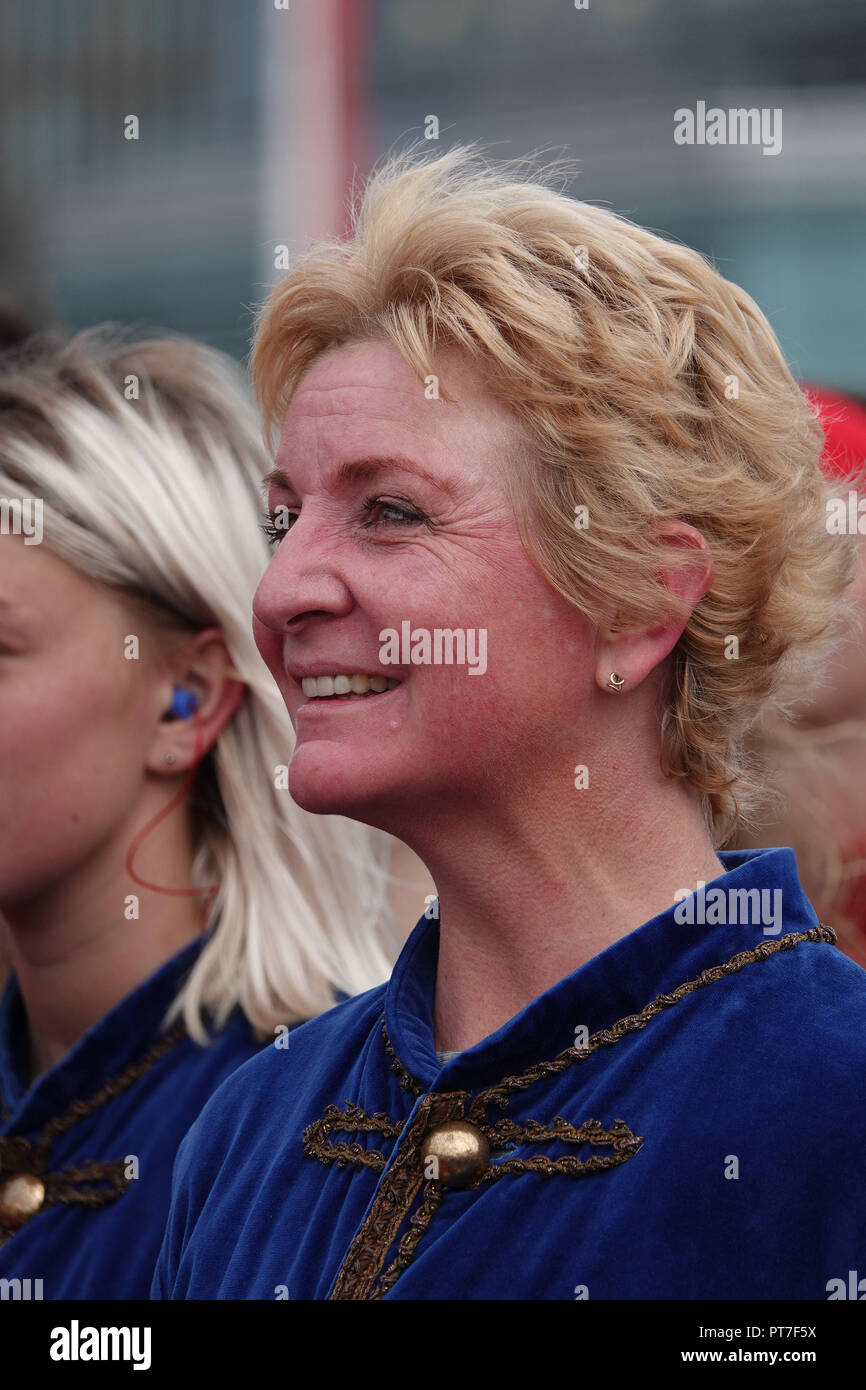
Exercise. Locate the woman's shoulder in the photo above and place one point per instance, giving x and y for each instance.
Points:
(821, 988)
(793, 1022)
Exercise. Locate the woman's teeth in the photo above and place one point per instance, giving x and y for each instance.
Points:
(321, 687)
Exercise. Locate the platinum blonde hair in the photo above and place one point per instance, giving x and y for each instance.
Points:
(160, 496)
(648, 388)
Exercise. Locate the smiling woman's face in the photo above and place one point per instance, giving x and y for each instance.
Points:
(399, 514)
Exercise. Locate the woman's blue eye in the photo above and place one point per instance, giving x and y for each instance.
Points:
(401, 514)
(378, 512)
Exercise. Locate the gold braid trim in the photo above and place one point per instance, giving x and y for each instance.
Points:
(608, 1037)
(401, 1182)
(418, 1223)
(619, 1138)
(396, 1193)
(352, 1120)
(407, 1082)
(93, 1183)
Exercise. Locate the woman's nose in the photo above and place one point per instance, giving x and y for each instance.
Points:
(302, 579)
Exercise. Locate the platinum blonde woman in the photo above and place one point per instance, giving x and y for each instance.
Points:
(622, 1062)
(168, 909)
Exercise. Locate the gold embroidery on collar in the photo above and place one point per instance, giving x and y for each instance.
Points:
(26, 1185)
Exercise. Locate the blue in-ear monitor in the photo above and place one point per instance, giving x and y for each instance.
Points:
(184, 703)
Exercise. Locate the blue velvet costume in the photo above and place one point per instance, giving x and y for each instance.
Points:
(107, 1250)
(707, 1146)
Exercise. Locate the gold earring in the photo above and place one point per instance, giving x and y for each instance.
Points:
(615, 681)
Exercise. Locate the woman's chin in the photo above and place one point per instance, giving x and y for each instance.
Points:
(331, 787)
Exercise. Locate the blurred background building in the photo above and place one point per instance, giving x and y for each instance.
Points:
(253, 116)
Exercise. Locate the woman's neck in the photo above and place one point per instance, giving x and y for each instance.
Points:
(75, 951)
(525, 903)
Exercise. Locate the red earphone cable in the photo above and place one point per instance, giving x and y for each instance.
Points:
(176, 801)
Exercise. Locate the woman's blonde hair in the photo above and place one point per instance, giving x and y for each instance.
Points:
(147, 457)
(650, 389)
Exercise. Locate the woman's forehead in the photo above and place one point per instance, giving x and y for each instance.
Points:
(355, 389)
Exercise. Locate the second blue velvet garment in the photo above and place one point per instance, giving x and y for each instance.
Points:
(69, 1250)
(732, 1121)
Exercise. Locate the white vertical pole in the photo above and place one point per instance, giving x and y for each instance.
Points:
(310, 127)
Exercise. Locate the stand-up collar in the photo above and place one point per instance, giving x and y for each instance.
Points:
(653, 959)
(123, 1034)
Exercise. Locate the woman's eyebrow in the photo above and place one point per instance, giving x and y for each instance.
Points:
(275, 477)
(366, 470)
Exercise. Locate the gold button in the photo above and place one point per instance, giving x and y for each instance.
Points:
(20, 1198)
(455, 1153)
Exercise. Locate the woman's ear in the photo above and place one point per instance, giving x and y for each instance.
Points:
(626, 656)
(200, 695)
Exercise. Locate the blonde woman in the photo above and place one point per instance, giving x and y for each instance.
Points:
(168, 909)
(601, 1070)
